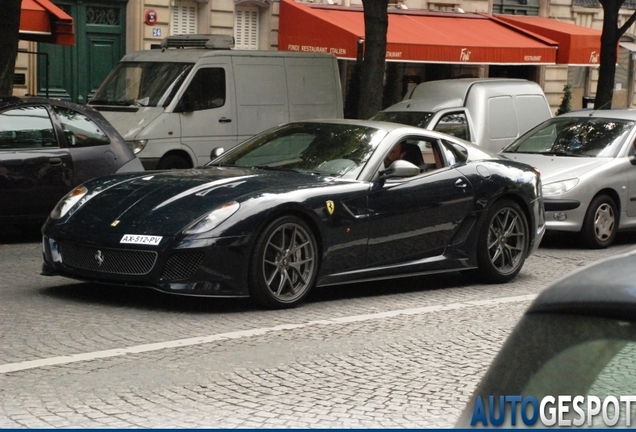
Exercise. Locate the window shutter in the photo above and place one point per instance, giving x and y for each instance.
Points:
(184, 18)
(246, 28)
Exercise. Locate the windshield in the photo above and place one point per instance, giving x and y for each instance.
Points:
(411, 118)
(574, 136)
(321, 148)
(142, 84)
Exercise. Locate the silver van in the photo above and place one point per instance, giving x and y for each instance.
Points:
(176, 104)
(489, 112)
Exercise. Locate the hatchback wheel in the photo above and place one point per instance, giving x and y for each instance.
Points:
(601, 223)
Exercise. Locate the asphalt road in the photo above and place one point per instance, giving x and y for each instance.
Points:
(402, 353)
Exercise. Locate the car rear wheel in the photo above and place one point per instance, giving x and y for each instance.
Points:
(601, 223)
(284, 263)
(503, 242)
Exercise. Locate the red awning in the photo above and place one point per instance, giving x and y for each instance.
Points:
(413, 36)
(577, 45)
(42, 21)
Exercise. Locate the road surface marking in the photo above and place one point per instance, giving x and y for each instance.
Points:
(200, 340)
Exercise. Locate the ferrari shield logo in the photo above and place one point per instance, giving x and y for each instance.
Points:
(115, 222)
(331, 206)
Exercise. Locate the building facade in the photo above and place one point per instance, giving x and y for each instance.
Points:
(105, 30)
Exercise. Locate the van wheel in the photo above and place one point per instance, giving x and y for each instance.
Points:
(173, 162)
(284, 263)
(601, 223)
(503, 242)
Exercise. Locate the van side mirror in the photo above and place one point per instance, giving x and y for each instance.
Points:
(186, 104)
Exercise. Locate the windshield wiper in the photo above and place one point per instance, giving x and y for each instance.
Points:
(558, 153)
(275, 168)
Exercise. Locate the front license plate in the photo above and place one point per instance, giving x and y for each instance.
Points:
(141, 239)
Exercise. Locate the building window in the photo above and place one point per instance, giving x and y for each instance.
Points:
(184, 18)
(246, 28)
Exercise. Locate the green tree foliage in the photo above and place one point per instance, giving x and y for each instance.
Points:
(566, 102)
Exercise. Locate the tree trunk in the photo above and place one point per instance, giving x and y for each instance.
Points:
(607, 68)
(9, 29)
(376, 24)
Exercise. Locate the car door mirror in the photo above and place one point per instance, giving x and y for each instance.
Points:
(70, 138)
(216, 152)
(400, 168)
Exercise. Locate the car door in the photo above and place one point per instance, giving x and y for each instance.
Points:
(415, 218)
(35, 172)
(209, 119)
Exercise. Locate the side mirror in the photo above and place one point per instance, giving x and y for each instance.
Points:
(216, 152)
(400, 168)
(70, 137)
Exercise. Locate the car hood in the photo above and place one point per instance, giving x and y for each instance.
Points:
(556, 168)
(129, 124)
(165, 202)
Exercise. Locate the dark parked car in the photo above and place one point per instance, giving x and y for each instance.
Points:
(576, 347)
(48, 147)
(303, 204)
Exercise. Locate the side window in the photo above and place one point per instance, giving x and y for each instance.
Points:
(455, 124)
(207, 89)
(80, 131)
(26, 128)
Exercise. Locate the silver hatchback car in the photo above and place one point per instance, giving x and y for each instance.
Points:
(588, 169)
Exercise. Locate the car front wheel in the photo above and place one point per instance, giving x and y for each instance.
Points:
(601, 223)
(503, 242)
(284, 263)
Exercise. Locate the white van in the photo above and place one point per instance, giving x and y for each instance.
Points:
(174, 105)
(489, 112)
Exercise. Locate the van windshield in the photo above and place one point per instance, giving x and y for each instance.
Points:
(411, 118)
(141, 84)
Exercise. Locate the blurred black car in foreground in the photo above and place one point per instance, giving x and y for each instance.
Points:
(48, 147)
(571, 359)
(303, 204)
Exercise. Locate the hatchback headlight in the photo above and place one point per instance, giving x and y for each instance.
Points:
(137, 145)
(559, 188)
(67, 203)
(213, 219)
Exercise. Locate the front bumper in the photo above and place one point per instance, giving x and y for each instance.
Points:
(564, 215)
(215, 267)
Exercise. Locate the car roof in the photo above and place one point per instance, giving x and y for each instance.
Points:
(623, 113)
(606, 288)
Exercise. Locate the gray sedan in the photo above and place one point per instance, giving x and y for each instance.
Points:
(587, 164)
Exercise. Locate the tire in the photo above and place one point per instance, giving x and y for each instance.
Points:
(173, 162)
(284, 264)
(503, 242)
(600, 224)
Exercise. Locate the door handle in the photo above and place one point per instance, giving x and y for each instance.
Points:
(460, 183)
(55, 161)
(225, 120)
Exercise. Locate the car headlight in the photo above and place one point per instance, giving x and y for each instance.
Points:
(213, 219)
(67, 203)
(559, 188)
(137, 145)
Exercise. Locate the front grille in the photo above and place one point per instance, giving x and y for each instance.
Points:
(108, 260)
(182, 265)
